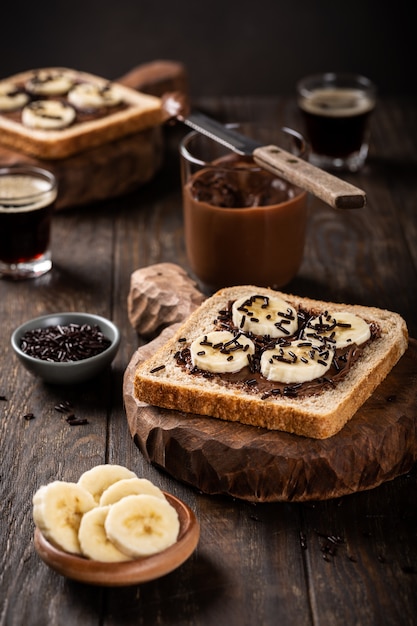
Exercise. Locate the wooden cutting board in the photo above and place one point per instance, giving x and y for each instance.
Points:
(217, 457)
(117, 167)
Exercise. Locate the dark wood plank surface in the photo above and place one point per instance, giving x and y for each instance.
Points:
(342, 562)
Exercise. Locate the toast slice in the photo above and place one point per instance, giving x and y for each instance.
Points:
(317, 411)
(90, 128)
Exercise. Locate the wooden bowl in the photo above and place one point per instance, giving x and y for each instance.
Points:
(129, 572)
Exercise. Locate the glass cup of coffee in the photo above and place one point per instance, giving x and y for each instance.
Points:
(243, 225)
(27, 196)
(336, 110)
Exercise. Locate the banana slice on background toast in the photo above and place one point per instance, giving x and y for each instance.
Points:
(48, 115)
(49, 83)
(11, 98)
(87, 96)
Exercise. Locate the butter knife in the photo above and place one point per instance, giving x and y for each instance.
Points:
(331, 189)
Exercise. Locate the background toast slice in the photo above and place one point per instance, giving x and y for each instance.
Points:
(140, 111)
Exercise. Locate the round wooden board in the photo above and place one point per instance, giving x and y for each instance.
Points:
(378, 444)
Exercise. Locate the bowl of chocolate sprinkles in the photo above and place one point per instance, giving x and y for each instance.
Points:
(66, 348)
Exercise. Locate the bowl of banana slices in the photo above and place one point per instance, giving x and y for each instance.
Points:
(112, 528)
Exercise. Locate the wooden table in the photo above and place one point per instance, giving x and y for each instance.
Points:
(347, 562)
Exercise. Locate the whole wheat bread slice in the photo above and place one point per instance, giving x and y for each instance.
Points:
(140, 111)
(162, 382)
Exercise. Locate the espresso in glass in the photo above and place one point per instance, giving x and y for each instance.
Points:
(336, 112)
(27, 196)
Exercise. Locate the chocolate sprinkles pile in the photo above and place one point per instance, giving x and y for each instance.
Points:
(64, 343)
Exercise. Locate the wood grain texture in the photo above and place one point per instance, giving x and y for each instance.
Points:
(331, 189)
(266, 564)
(379, 443)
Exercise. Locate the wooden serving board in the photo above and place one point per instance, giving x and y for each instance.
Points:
(117, 167)
(217, 457)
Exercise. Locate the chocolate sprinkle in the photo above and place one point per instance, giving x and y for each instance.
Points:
(70, 418)
(77, 421)
(63, 407)
(60, 343)
(157, 369)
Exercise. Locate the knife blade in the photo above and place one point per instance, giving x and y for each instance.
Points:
(330, 189)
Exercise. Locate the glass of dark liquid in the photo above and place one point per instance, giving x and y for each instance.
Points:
(27, 196)
(336, 110)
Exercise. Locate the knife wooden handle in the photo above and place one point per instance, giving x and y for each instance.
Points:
(332, 190)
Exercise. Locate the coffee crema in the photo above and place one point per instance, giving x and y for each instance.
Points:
(26, 205)
(336, 119)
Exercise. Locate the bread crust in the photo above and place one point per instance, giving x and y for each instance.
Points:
(142, 111)
(318, 416)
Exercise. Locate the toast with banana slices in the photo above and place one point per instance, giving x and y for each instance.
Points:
(273, 360)
(54, 113)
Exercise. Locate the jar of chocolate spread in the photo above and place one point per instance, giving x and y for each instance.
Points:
(243, 225)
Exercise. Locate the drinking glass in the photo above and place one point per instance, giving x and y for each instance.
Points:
(27, 196)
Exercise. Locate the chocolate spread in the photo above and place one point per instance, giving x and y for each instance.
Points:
(243, 225)
(250, 378)
(238, 183)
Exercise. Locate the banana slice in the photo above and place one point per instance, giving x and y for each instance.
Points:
(339, 329)
(50, 83)
(57, 511)
(48, 114)
(11, 98)
(129, 487)
(93, 538)
(263, 315)
(142, 525)
(221, 351)
(297, 361)
(89, 96)
(99, 478)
